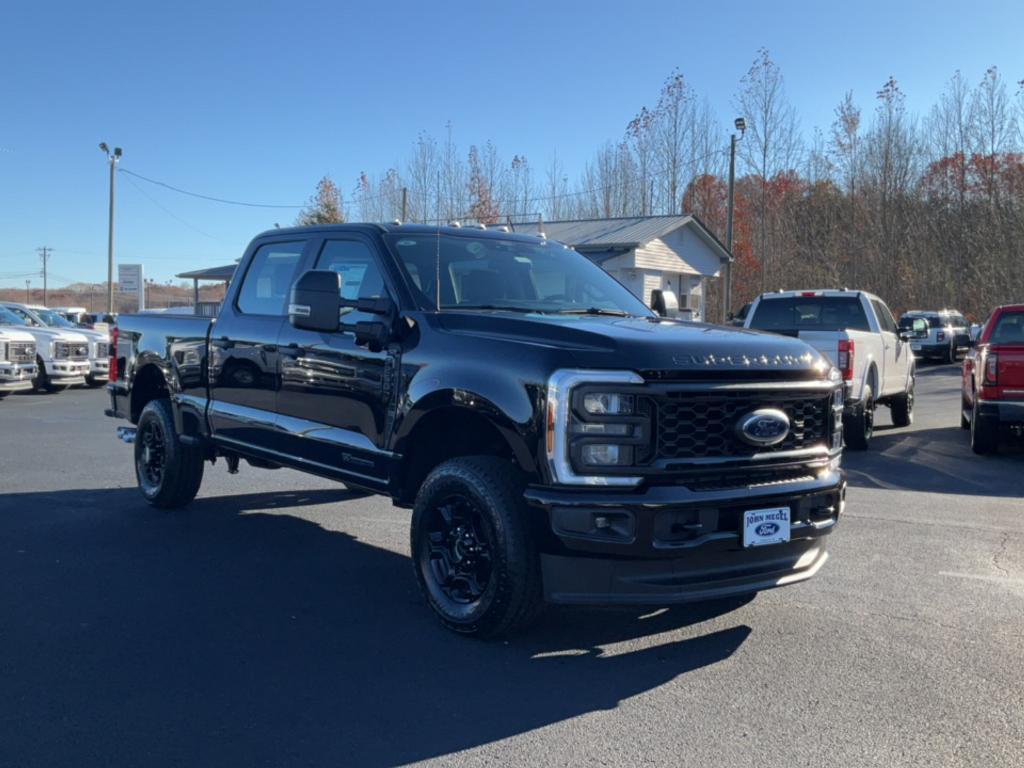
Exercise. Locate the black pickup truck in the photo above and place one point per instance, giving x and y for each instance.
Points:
(555, 439)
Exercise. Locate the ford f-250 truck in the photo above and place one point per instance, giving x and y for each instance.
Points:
(855, 330)
(555, 439)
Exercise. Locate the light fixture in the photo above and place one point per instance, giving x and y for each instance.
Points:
(741, 124)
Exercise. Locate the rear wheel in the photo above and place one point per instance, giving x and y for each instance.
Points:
(984, 432)
(859, 426)
(473, 553)
(902, 406)
(951, 352)
(168, 473)
(40, 382)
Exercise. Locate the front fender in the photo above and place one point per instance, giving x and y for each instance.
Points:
(512, 406)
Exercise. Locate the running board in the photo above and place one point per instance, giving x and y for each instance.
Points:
(126, 434)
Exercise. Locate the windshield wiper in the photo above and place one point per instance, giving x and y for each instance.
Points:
(495, 307)
(595, 311)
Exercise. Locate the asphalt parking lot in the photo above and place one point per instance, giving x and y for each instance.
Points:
(276, 622)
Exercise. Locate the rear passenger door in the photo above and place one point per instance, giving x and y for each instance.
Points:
(897, 352)
(243, 365)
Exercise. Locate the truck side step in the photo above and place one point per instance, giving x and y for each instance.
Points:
(126, 434)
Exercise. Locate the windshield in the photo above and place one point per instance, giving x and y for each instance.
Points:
(52, 319)
(509, 274)
(23, 317)
(810, 313)
(7, 317)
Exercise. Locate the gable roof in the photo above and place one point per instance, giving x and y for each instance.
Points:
(220, 274)
(623, 233)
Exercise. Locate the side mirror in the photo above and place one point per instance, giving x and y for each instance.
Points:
(315, 301)
(918, 330)
(664, 303)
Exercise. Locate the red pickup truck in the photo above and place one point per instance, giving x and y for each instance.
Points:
(992, 399)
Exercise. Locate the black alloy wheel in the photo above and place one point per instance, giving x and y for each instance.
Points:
(458, 551)
(151, 457)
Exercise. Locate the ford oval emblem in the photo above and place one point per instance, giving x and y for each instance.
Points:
(763, 427)
(767, 529)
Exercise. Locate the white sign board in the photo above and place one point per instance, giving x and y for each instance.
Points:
(130, 280)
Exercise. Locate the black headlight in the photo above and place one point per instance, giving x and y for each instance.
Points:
(609, 430)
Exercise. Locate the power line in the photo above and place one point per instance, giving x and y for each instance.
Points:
(211, 198)
(171, 213)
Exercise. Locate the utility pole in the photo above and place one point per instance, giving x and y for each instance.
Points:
(28, 291)
(741, 126)
(44, 254)
(112, 157)
(405, 204)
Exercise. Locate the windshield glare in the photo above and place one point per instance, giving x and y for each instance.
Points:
(52, 318)
(509, 274)
(9, 318)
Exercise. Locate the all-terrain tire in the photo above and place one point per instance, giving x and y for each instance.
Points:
(169, 473)
(901, 407)
(492, 586)
(859, 426)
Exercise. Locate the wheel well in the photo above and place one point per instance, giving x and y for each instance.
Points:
(446, 434)
(149, 384)
(873, 381)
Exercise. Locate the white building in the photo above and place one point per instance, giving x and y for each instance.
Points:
(644, 253)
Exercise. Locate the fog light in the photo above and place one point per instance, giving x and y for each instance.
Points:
(601, 454)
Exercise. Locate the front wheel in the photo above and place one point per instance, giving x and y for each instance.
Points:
(168, 472)
(859, 426)
(902, 406)
(474, 556)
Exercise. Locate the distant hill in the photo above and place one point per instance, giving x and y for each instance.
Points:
(93, 296)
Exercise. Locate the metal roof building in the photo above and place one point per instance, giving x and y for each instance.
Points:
(674, 253)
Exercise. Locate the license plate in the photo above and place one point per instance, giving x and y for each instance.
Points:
(765, 526)
(916, 347)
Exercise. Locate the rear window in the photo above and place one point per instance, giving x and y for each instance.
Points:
(1009, 329)
(810, 313)
(934, 321)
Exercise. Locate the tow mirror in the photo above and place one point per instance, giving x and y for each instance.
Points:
(920, 328)
(315, 301)
(664, 303)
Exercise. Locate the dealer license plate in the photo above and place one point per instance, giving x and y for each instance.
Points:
(765, 526)
(915, 347)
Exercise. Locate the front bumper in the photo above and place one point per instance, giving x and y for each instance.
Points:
(16, 377)
(67, 371)
(99, 369)
(669, 544)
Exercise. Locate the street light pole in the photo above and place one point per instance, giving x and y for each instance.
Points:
(28, 291)
(741, 126)
(112, 157)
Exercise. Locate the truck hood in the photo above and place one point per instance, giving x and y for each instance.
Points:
(53, 334)
(656, 345)
(12, 333)
(91, 335)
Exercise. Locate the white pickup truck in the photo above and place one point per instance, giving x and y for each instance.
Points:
(17, 357)
(857, 332)
(62, 356)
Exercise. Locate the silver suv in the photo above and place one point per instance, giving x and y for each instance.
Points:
(949, 333)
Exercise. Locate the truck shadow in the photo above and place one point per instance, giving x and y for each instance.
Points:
(234, 633)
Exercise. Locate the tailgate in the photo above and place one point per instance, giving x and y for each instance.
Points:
(1011, 366)
(826, 342)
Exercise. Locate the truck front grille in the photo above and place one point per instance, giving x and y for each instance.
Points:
(65, 350)
(21, 351)
(102, 349)
(696, 425)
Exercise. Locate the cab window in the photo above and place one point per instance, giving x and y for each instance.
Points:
(361, 276)
(269, 278)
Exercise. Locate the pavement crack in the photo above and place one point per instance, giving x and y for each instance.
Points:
(997, 557)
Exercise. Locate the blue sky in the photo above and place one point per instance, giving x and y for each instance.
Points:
(257, 101)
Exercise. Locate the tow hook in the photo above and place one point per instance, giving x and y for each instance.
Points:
(126, 434)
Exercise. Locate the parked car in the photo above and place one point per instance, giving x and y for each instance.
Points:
(17, 355)
(949, 334)
(76, 315)
(857, 332)
(992, 397)
(62, 356)
(99, 342)
(555, 439)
